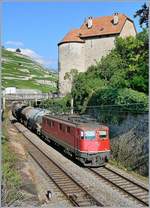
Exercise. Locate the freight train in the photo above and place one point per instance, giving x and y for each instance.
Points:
(79, 136)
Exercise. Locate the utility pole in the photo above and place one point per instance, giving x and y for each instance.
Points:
(71, 105)
(4, 101)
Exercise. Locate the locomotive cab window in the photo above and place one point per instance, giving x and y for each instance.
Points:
(90, 135)
(102, 134)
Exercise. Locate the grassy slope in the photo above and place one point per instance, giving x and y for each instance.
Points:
(11, 179)
(11, 68)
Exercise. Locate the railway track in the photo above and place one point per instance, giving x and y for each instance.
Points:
(126, 185)
(75, 192)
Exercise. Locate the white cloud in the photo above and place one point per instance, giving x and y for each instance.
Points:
(32, 54)
(14, 43)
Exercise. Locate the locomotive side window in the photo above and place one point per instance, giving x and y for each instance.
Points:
(53, 123)
(49, 123)
(90, 135)
(68, 129)
(63, 128)
(102, 134)
(60, 127)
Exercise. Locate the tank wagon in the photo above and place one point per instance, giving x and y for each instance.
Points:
(17, 109)
(82, 138)
(25, 114)
(35, 120)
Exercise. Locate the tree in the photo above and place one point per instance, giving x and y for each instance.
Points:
(18, 50)
(125, 67)
(143, 14)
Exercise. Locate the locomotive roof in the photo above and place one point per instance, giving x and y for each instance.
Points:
(76, 121)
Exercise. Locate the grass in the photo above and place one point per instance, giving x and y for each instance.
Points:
(11, 68)
(11, 179)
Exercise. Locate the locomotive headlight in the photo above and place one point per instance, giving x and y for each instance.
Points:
(82, 134)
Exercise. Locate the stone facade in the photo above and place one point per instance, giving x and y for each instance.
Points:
(97, 47)
(71, 56)
(76, 54)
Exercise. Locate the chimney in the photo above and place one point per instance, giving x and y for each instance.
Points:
(89, 23)
(116, 19)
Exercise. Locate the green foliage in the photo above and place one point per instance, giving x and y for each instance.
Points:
(143, 15)
(119, 78)
(84, 87)
(57, 105)
(134, 53)
(128, 96)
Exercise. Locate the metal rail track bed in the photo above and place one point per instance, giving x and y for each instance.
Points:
(75, 193)
(131, 188)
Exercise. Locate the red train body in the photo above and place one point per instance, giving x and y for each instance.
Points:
(87, 142)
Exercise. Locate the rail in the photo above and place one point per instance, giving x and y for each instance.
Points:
(128, 186)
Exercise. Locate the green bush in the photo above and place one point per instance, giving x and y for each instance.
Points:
(57, 105)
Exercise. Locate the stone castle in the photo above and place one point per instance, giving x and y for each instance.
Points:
(80, 48)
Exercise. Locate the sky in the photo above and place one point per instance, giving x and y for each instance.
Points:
(37, 27)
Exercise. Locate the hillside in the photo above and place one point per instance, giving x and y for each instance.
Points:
(22, 72)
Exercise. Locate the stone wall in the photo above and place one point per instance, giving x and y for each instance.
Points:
(131, 146)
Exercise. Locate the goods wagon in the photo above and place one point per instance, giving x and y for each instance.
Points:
(34, 121)
(25, 114)
(86, 141)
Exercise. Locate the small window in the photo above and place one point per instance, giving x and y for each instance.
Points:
(72, 131)
(53, 123)
(102, 134)
(60, 127)
(82, 134)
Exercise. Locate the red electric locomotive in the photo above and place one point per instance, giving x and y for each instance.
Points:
(87, 141)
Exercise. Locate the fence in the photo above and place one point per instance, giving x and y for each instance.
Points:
(42, 96)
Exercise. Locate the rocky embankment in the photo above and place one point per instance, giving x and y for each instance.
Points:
(131, 146)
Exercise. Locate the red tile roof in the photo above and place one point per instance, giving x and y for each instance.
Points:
(72, 36)
(101, 26)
